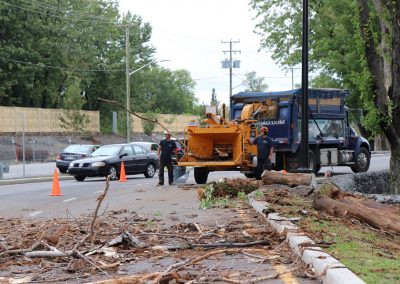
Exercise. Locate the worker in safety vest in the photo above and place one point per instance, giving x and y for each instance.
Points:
(265, 149)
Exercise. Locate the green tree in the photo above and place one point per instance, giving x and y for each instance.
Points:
(73, 118)
(254, 83)
(149, 125)
(357, 42)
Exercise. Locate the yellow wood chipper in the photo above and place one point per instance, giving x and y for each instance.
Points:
(220, 145)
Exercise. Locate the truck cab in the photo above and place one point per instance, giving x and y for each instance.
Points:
(332, 141)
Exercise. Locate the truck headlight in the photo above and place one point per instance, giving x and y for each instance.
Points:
(98, 164)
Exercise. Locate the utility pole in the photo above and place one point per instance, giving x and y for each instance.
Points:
(230, 64)
(292, 68)
(128, 90)
(304, 163)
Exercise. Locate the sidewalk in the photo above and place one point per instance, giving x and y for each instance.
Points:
(37, 172)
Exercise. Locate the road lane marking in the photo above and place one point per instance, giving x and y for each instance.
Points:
(33, 214)
(68, 200)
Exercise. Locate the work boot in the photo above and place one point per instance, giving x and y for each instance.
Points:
(160, 184)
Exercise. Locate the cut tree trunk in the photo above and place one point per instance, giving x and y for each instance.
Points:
(291, 179)
(341, 204)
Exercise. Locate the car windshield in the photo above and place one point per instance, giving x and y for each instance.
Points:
(107, 150)
(77, 149)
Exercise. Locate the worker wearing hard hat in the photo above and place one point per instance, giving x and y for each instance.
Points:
(166, 148)
(265, 150)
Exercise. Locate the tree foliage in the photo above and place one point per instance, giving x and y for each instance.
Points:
(45, 43)
(73, 118)
(254, 83)
(355, 44)
(336, 46)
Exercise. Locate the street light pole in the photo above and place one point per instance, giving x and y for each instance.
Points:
(128, 90)
(128, 94)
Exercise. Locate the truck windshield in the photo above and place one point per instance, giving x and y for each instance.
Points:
(330, 128)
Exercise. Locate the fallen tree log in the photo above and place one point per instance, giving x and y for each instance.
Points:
(341, 204)
(291, 179)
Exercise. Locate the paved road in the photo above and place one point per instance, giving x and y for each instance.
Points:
(378, 162)
(139, 193)
(33, 200)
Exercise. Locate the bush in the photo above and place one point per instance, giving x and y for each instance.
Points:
(148, 126)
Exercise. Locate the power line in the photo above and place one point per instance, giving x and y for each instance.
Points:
(63, 17)
(44, 5)
(41, 65)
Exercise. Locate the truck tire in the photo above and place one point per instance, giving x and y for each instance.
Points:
(249, 175)
(201, 175)
(317, 169)
(312, 164)
(362, 161)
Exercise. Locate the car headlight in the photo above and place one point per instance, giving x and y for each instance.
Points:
(98, 164)
(71, 165)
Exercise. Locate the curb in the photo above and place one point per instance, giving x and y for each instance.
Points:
(32, 180)
(328, 268)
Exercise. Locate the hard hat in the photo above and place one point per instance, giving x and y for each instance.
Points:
(166, 132)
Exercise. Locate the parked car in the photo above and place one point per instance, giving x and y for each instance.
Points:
(72, 153)
(148, 146)
(179, 146)
(107, 161)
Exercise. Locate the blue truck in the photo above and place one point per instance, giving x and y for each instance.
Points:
(332, 140)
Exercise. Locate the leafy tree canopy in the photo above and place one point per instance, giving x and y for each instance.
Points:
(44, 43)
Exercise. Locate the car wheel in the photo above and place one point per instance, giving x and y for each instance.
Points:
(201, 175)
(80, 178)
(150, 170)
(112, 172)
(362, 161)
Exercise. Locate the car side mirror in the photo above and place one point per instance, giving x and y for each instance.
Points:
(123, 155)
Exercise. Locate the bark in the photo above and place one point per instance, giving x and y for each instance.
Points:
(341, 204)
(383, 59)
(373, 217)
(291, 179)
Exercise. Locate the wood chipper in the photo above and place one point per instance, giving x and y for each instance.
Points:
(223, 146)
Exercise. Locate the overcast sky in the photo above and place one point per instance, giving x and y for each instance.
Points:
(189, 33)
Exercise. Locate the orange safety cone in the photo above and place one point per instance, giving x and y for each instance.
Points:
(122, 177)
(55, 189)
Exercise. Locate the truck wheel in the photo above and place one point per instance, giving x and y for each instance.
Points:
(317, 169)
(311, 161)
(249, 175)
(201, 175)
(362, 161)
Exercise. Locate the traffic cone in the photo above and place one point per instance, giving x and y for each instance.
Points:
(122, 177)
(55, 189)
